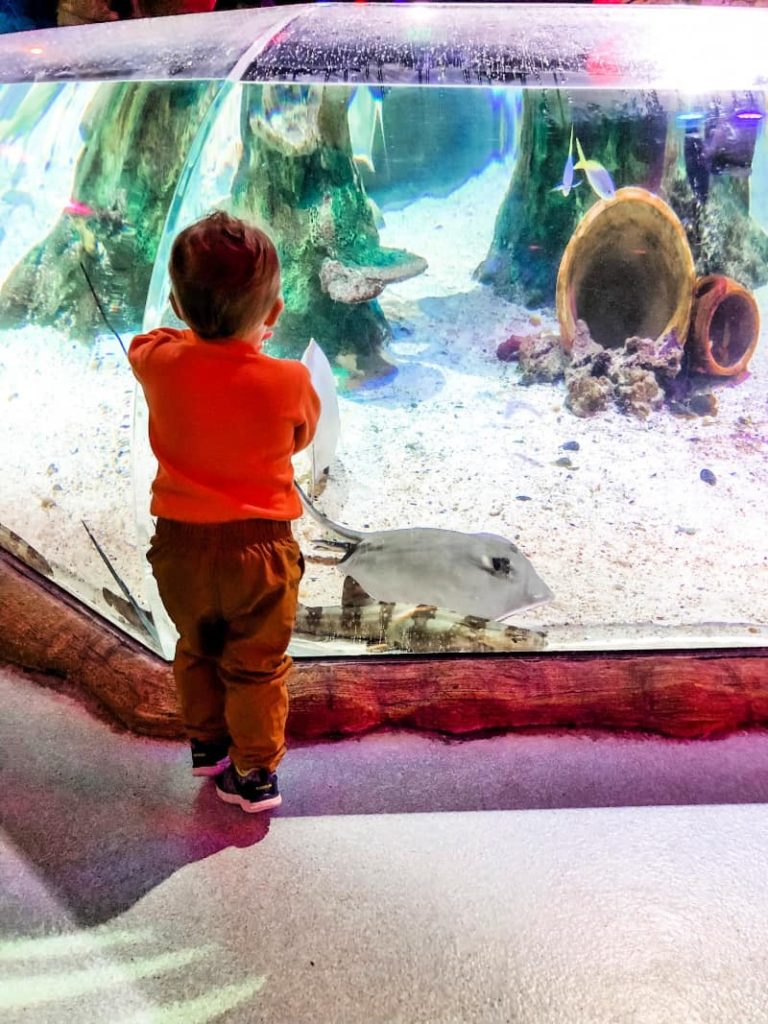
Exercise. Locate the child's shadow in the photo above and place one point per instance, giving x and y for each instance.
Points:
(103, 817)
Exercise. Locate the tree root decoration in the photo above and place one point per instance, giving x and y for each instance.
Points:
(353, 283)
(416, 629)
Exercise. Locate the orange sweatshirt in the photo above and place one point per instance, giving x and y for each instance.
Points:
(224, 421)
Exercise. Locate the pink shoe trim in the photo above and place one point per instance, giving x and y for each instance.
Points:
(210, 770)
(245, 805)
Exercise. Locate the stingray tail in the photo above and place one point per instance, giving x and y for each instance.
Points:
(324, 521)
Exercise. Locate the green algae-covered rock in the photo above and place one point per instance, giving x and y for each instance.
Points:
(297, 178)
(136, 140)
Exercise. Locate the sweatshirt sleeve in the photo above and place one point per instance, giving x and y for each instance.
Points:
(143, 347)
(139, 350)
(308, 412)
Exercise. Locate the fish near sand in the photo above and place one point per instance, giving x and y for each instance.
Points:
(472, 574)
(323, 447)
(567, 184)
(597, 176)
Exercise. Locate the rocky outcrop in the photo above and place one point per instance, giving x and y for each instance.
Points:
(351, 284)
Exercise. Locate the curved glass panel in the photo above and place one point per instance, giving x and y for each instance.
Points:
(542, 45)
(66, 394)
(207, 46)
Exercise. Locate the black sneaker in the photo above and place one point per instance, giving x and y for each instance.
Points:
(256, 791)
(209, 758)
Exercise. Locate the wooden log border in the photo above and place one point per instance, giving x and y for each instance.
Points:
(678, 693)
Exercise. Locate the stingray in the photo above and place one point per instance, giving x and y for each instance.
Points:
(473, 574)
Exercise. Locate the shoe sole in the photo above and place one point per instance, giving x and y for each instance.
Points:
(210, 770)
(248, 806)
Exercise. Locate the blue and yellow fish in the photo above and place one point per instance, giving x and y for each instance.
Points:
(567, 184)
(597, 176)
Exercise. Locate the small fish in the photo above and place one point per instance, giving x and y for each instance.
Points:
(77, 209)
(567, 184)
(141, 616)
(597, 176)
(515, 405)
(477, 574)
(323, 447)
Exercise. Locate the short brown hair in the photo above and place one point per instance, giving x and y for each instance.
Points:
(225, 275)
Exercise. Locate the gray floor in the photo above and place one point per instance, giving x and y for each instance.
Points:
(528, 878)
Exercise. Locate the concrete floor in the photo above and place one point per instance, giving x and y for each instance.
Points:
(534, 878)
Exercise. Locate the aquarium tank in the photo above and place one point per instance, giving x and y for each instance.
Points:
(525, 255)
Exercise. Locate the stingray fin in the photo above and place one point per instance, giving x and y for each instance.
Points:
(353, 595)
(323, 446)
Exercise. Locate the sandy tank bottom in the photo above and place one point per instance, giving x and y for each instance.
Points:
(638, 549)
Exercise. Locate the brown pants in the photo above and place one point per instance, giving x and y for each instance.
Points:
(231, 590)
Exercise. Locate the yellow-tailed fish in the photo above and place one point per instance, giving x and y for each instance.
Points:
(597, 176)
(567, 184)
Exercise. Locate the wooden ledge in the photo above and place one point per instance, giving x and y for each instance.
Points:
(681, 694)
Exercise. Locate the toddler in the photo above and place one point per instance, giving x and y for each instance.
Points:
(224, 421)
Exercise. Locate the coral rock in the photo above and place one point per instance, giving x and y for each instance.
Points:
(638, 391)
(662, 357)
(596, 377)
(541, 359)
(587, 394)
(583, 347)
(632, 376)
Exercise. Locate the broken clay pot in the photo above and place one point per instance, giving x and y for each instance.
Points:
(725, 327)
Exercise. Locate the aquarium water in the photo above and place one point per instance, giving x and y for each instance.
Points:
(423, 170)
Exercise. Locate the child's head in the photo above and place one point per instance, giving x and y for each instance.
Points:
(225, 276)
